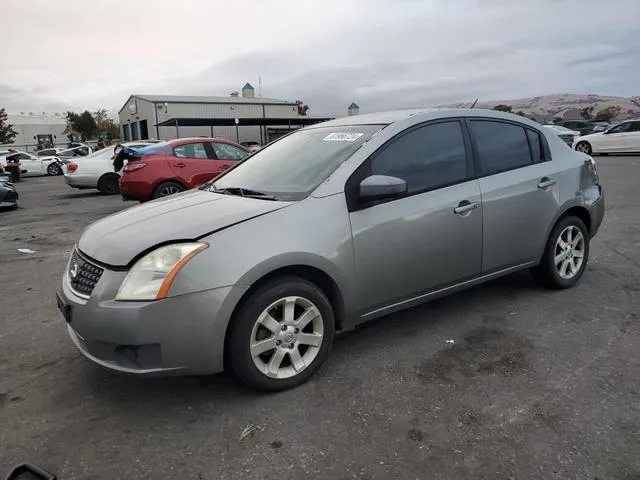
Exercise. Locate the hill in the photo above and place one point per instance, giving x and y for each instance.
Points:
(565, 105)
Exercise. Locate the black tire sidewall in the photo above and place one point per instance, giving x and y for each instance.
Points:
(54, 169)
(243, 321)
(549, 262)
(156, 192)
(105, 181)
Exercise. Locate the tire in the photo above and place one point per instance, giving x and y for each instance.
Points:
(108, 184)
(166, 189)
(284, 341)
(584, 147)
(54, 170)
(549, 273)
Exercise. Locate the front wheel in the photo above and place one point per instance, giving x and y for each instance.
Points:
(584, 147)
(565, 256)
(54, 169)
(281, 335)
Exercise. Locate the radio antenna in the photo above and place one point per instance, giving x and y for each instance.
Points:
(474, 103)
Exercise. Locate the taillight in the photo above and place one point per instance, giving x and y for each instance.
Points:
(591, 167)
(132, 167)
(71, 167)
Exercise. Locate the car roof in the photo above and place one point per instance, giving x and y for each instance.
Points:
(421, 115)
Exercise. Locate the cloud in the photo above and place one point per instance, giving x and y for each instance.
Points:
(382, 54)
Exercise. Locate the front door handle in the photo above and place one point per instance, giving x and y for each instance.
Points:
(465, 207)
(179, 165)
(546, 182)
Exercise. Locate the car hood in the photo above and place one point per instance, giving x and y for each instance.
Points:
(117, 239)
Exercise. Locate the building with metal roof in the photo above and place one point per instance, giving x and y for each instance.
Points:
(238, 118)
(37, 129)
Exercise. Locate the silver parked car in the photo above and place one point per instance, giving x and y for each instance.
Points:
(326, 228)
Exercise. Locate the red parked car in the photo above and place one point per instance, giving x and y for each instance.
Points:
(176, 165)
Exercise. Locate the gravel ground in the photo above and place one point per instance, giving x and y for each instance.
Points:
(538, 384)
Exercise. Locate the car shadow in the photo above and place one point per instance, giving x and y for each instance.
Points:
(89, 194)
(127, 392)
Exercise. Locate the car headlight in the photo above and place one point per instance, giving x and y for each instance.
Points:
(152, 275)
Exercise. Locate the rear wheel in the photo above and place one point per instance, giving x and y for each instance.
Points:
(565, 256)
(281, 335)
(108, 184)
(54, 169)
(168, 188)
(584, 147)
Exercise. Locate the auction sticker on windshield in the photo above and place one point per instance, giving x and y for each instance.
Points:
(342, 137)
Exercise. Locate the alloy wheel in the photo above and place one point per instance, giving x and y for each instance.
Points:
(583, 147)
(569, 252)
(286, 337)
(169, 190)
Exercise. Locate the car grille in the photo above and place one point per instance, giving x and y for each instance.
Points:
(83, 275)
(567, 138)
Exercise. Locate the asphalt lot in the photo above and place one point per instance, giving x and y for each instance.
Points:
(538, 384)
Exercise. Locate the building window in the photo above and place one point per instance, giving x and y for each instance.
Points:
(134, 131)
(126, 132)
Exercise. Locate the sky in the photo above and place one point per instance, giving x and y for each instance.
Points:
(381, 54)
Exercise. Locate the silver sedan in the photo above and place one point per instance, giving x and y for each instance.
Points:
(324, 229)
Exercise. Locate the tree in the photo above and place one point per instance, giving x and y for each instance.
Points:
(111, 128)
(106, 125)
(587, 113)
(100, 116)
(83, 123)
(521, 113)
(608, 114)
(503, 108)
(7, 133)
(557, 119)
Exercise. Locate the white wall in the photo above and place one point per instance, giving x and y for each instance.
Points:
(27, 128)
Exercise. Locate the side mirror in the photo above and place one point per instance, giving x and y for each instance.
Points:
(378, 187)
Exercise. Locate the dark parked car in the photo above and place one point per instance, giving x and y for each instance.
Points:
(585, 127)
(8, 194)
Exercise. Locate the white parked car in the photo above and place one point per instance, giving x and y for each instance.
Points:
(566, 135)
(76, 150)
(621, 138)
(95, 171)
(31, 165)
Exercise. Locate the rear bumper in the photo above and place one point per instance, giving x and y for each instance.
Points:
(81, 181)
(135, 190)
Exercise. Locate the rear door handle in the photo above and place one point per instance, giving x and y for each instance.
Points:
(224, 167)
(179, 165)
(465, 207)
(546, 182)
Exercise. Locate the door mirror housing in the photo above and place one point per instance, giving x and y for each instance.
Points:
(379, 187)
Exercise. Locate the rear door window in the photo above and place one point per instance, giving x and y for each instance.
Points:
(191, 150)
(500, 146)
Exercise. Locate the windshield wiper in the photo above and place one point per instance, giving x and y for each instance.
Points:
(243, 192)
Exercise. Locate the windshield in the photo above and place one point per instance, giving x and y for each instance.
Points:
(102, 151)
(293, 166)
